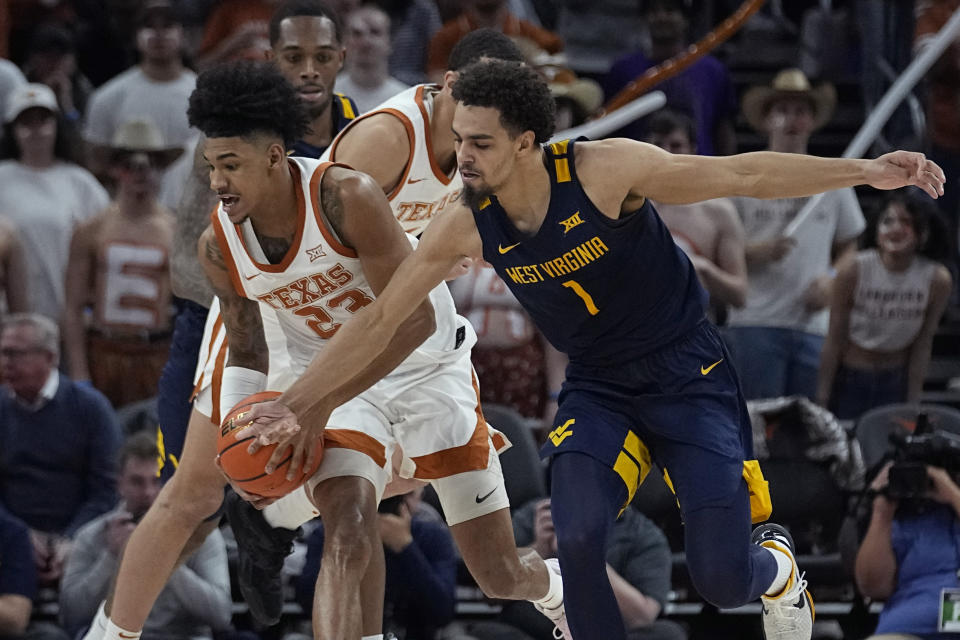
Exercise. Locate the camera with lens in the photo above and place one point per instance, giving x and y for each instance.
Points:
(914, 452)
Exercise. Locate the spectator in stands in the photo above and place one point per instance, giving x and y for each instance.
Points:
(52, 60)
(13, 271)
(42, 192)
(943, 103)
(776, 337)
(515, 364)
(413, 24)
(479, 14)
(576, 98)
(236, 30)
(10, 78)
(157, 89)
(909, 556)
(366, 77)
(638, 565)
(421, 568)
(596, 33)
(119, 269)
(196, 601)
(710, 232)
(703, 90)
(885, 308)
(18, 576)
(18, 585)
(58, 442)
(106, 38)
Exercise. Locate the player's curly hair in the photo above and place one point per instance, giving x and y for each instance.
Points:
(244, 98)
(514, 89)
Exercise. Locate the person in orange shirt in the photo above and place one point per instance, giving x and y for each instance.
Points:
(943, 102)
(236, 30)
(479, 14)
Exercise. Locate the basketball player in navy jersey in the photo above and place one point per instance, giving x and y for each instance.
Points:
(569, 229)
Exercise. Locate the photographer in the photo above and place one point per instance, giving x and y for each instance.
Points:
(910, 553)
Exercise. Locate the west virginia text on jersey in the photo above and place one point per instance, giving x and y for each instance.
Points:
(604, 291)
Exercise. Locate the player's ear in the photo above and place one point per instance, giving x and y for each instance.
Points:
(449, 77)
(277, 155)
(527, 140)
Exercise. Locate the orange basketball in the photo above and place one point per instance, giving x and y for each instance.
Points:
(247, 471)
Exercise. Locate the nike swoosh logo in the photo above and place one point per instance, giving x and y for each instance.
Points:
(126, 635)
(251, 277)
(705, 370)
(479, 499)
(415, 180)
(504, 249)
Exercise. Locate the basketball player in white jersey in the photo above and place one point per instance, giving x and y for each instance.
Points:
(323, 258)
(424, 114)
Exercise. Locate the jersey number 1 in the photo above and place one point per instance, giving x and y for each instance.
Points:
(580, 291)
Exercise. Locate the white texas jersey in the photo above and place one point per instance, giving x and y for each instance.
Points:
(320, 283)
(424, 190)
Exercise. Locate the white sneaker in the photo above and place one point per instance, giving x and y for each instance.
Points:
(557, 615)
(790, 614)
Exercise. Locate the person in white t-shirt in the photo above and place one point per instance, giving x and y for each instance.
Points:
(776, 337)
(157, 89)
(42, 193)
(366, 78)
(10, 78)
(886, 305)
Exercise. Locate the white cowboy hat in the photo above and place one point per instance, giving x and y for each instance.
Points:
(789, 83)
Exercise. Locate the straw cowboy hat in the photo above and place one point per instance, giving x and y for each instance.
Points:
(142, 136)
(789, 83)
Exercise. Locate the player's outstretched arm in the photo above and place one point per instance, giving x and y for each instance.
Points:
(648, 171)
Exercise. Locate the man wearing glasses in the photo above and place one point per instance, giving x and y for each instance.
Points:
(58, 442)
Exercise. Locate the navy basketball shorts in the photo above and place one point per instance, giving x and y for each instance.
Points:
(176, 385)
(680, 408)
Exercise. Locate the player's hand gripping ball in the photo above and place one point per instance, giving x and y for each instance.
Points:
(246, 470)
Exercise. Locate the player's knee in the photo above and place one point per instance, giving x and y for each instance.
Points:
(348, 537)
(721, 585)
(190, 501)
(577, 537)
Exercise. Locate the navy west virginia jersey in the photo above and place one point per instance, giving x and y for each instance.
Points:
(344, 111)
(602, 291)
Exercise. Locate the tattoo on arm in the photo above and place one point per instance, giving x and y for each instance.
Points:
(241, 316)
(214, 254)
(332, 204)
(248, 346)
